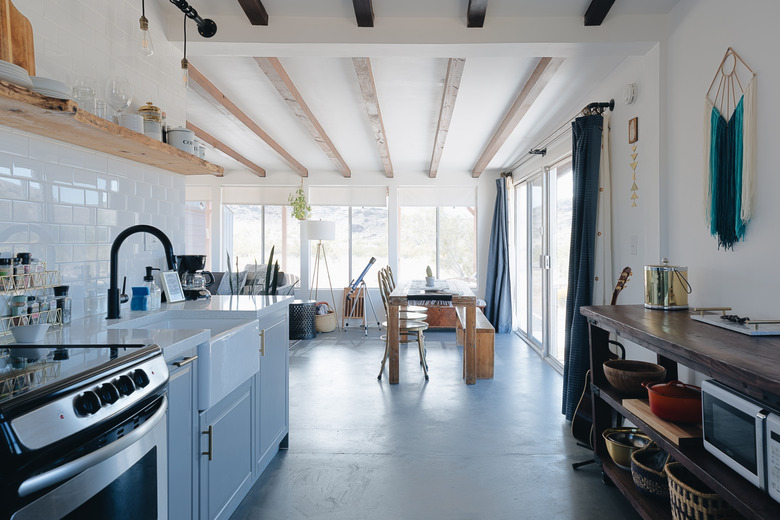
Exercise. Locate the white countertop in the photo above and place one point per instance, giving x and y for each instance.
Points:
(94, 330)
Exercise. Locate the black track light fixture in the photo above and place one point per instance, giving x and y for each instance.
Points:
(207, 28)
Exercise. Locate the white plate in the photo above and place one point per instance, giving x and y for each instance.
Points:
(49, 84)
(52, 93)
(11, 67)
(17, 80)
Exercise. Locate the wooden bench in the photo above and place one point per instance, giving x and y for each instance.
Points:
(485, 341)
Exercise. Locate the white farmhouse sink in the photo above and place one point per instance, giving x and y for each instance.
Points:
(228, 359)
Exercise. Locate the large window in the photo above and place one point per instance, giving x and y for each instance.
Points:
(256, 229)
(361, 233)
(442, 237)
(543, 209)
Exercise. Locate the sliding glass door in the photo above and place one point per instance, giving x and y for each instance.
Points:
(542, 236)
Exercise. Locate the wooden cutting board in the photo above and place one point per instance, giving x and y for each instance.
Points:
(678, 434)
(16, 38)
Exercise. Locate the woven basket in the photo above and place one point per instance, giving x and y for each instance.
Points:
(325, 322)
(645, 464)
(692, 500)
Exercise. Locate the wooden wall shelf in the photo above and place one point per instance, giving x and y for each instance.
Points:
(745, 362)
(62, 120)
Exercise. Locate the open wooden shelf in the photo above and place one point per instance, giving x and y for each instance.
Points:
(62, 120)
(676, 338)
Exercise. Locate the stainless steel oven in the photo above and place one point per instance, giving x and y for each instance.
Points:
(89, 443)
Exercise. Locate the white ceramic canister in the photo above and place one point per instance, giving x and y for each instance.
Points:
(182, 138)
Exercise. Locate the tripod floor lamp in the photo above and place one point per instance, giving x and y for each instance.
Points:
(320, 230)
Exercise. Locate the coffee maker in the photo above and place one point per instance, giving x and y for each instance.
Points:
(194, 280)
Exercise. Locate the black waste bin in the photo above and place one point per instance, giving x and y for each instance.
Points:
(302, 322)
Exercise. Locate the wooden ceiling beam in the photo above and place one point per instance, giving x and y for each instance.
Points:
(539, 79)
(450, 94)
(475, 16)
(225, 149)
(364, 13)
(255, 11)
(365, 78)
(597, 11)
(204, 88)
(279, 78)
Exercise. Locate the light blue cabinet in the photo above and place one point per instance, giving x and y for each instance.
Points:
(183, 437)
(226, 446)
(272, 390)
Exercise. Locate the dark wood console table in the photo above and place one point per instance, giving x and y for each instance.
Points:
(750, 364)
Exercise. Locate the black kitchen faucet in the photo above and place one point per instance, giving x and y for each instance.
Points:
(113, 290)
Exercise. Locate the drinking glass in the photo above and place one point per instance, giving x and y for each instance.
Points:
(119, 94)
(84, 94)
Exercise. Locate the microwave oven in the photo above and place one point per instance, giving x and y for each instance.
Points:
(742, 433)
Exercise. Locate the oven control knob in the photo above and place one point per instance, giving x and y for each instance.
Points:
(140, 378)
(87, 403)
(125, 385)
(108, 393)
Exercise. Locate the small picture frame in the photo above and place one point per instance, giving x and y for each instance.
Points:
(172, 286)
(633, 130)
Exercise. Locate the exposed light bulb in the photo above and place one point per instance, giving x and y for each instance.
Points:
(185, 72)
(145, 49)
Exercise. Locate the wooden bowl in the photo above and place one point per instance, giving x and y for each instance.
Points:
(627, 375)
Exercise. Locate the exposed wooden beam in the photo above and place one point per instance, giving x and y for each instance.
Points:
(222, 147)
(451, 86)
(273, 68)
(364, 13)
(475, 16)
(255, 11)
(597, 11)
(539, 79)
(204, 88)
(368, 89)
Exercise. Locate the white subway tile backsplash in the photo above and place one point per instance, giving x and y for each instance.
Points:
(59, 253)
(85, 179)
(27, 168)
(71, 195)
(73, 234)
(95, 162)
(70, 156)
(83, 215)
(24, 211)
(57, 173)
(59, 214)
(35, 192)
(15, 189)
(5, 210)
(92, 198)
(43, 234)
(14, 143)
(43, 150)
(14, 233)
(106, 217)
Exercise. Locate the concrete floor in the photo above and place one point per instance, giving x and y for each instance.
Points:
(362, 448)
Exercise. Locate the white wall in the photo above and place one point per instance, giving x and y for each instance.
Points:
(700, 34)
(65, 204)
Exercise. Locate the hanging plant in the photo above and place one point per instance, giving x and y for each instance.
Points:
(301, 210)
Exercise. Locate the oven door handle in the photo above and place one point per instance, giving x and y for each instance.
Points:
(73, 468)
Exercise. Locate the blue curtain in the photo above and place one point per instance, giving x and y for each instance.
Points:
(586, 152)
(498, 294)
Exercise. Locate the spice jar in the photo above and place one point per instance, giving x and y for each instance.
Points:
(6, 274)
(19, 309)
(63, 302)
(152, 121)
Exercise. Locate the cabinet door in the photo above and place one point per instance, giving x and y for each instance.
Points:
(182, 438)
(273, 388)
(226, 432)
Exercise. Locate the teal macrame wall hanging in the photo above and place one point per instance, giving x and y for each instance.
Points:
(730, 150)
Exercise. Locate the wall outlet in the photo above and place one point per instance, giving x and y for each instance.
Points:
(151, 242)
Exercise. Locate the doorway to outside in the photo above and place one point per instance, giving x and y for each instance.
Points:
(543, 212)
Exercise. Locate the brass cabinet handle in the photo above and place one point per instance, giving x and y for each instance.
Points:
(185, 361)
(262, 342)
(210, 433)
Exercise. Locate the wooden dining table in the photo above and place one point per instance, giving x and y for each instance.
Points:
(456, 291)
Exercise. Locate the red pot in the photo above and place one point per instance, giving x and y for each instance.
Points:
(675, 401)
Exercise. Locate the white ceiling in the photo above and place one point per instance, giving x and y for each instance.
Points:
(408, 46)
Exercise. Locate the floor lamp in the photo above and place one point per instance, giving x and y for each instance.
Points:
(320, 230)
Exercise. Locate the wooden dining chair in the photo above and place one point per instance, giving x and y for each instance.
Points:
(410, 327)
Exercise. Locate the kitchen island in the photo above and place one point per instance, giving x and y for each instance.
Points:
(228, 392)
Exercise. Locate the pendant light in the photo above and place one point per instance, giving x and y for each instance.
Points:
(145, 49)
(185, 65)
